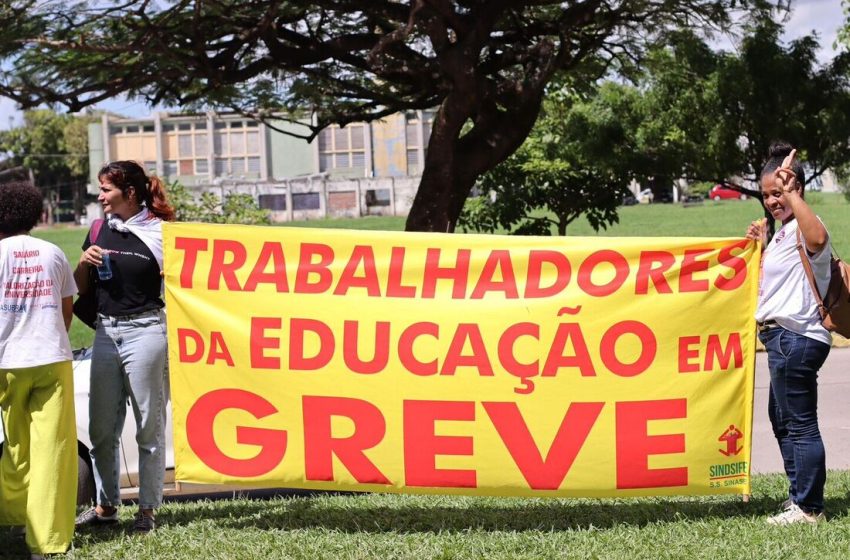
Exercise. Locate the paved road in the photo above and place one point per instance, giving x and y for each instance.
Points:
(833, 411)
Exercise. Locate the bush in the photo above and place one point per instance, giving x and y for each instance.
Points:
(700, 188)
(236, 208)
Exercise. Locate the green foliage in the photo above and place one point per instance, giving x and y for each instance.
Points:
(54, 148)
(236, 208)
(565, 169)
(700, 188)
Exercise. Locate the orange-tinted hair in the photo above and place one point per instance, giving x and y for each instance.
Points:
(149, 189)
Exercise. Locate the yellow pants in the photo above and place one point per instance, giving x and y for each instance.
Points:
(38, 469)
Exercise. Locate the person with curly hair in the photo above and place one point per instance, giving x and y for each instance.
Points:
(130, 345)
(38, 467)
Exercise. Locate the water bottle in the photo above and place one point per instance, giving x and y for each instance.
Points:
(104, 271)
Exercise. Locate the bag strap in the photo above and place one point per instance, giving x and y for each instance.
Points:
(807, 266)
(95, 230)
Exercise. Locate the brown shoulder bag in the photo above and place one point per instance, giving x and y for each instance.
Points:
(834, 307)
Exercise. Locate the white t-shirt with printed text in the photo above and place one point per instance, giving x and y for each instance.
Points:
(785, 294)
(34, 278)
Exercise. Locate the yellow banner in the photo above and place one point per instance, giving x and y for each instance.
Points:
(463, 364)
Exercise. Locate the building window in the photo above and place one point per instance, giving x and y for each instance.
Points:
(377, 197)
(305, 201)
(169, 168)
(413, 126)
(273, 202)
(237, 148)
(342, 148)
(191, 143)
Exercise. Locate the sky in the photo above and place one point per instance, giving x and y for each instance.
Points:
(823, 16)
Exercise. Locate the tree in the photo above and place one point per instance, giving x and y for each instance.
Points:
(485, 64)
(575, 162)
(771, 92)
(692, 113)
(55, 148)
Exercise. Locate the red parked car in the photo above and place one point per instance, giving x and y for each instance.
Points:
(722, 192)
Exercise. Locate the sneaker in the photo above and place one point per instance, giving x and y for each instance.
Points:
(795, 515)
(143, 524)
(786, 505)
(91, 517)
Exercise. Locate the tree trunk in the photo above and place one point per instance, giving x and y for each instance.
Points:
(457, 157)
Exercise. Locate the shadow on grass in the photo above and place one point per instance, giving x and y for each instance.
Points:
(374, 513)
(352, 513)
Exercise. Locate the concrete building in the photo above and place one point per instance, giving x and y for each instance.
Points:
(361, 169)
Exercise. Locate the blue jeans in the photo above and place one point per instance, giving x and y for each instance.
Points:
(129, 360)
(794, 361)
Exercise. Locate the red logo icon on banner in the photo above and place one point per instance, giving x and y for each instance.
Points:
(731, 437)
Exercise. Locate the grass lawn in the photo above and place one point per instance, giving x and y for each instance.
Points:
(384, 526)
(711, 219)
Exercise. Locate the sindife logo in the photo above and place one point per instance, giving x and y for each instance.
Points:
(730, 470)
(731, 437)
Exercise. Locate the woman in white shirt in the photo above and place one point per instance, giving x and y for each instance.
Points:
(790, 328)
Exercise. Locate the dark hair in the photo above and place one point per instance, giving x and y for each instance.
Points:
(149, 189)
(20, 207)
(777, 153)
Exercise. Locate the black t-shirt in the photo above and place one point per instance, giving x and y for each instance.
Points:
(136, 282)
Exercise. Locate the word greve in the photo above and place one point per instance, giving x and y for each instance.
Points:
(542, 469)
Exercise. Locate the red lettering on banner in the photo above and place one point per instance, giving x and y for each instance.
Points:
(308, 268)
(648, 348)
(737, 264)
(690, 266)
(652, 268)
(713, 349)
(259, 342)
(350, 342)
(190, 247)
(297, 329)
(549, 473)
(394, 286)
(222, 268)
(270, 253)
(349, 279)
(405, 348)
(201, 439)
(455, 357)
(422, 445)
(635, 445)
(500, 260)
(687, 354)
(506, 349)
(536, 260)
(458, 274)
(186, 355)
(320, 446)
(585, 272)
(556, 358)
(218, 350)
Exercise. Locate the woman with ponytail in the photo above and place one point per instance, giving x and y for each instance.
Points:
(130, 348)
(790, 328)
